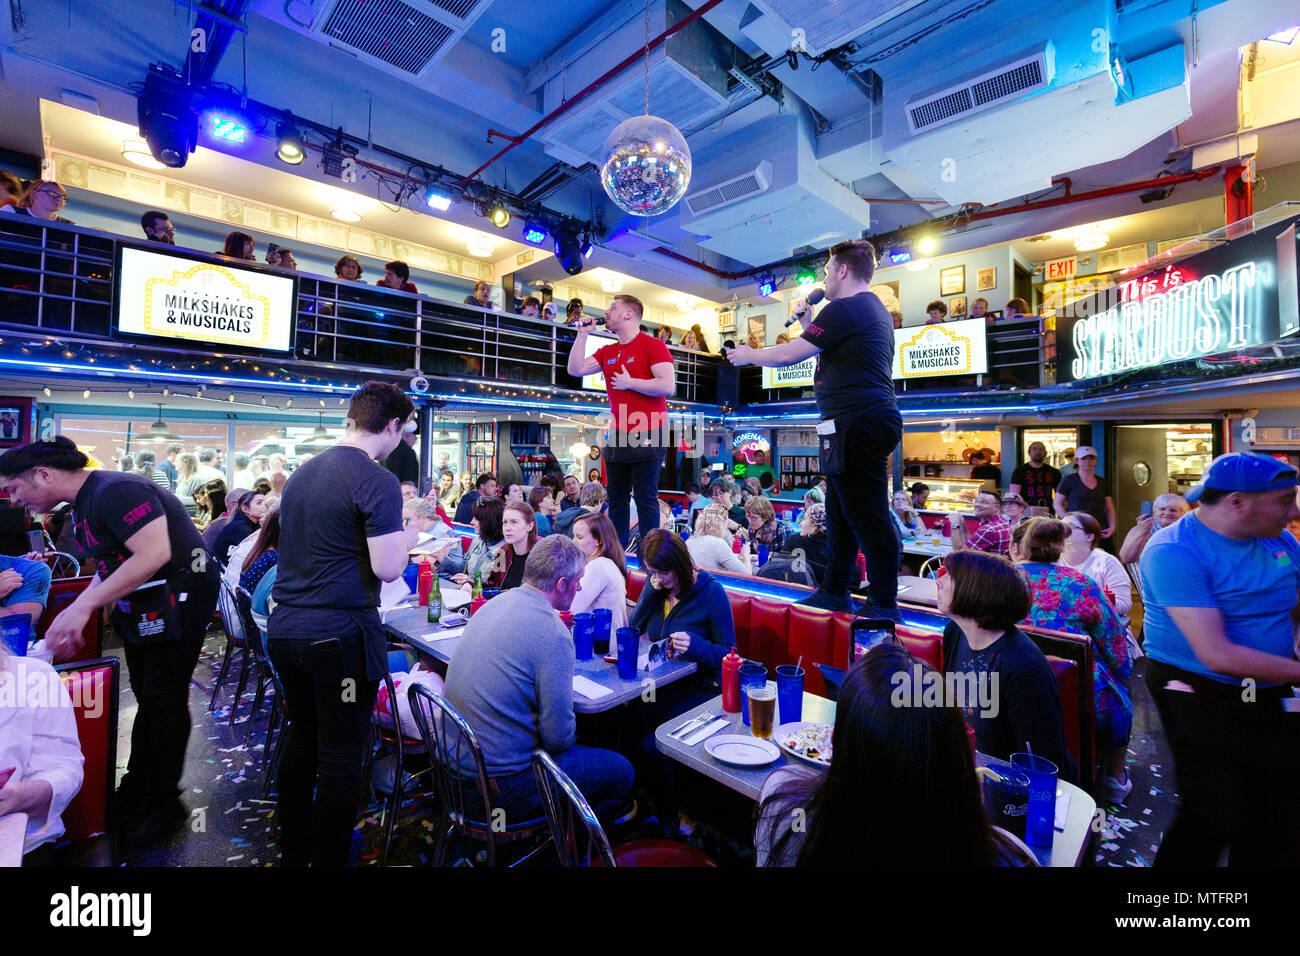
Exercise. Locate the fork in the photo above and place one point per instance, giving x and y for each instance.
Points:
(693, 724)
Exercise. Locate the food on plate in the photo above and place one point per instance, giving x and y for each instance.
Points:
(812, 741)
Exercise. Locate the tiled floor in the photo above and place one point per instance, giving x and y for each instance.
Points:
(232, 825)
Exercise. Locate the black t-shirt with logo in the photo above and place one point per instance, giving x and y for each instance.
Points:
(855, 367)
(987, 472)
(113, 506)
(1037, 485)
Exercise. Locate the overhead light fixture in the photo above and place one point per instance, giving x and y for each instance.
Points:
(480, 246)
(534, 232)
(167, 119)
(496, 213)
(321, 433)
(136, 151)
(766, 284)
(612, 283)
(345, 209)
(290, 148)
(806, 275)
(228, 128)
(159, 431)
(46, 390)
(588, 247)
(685, 304)
(437, 199)
(580, 449)
(926, 245)
(569, 248)
(444, 436)
(335, 156)
(1090, 241)
(917, 265)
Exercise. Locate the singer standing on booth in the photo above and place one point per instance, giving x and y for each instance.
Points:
(639, 377)
(853, 337)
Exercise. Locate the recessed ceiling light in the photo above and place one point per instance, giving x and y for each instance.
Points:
(137, 151)
(612, 283)
(1041, 237)
(1091, 241)
(480, 246)
(345, 210)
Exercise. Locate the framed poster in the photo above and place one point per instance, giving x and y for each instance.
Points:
(952, 280)
(757, 332)
(15, 421)
(957, 306)
(986, 279)
(787, 463)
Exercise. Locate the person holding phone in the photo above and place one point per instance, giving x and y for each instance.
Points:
(153, 571)
(1161, 513)
(341, 533)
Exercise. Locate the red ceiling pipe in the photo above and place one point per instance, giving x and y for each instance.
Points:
(1157, 183)
(568, 104)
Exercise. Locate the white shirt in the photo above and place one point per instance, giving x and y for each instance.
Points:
(208, 473)
(1108, 571)
(603, 586)
(711, 553)
(244, 479)
(38, 738)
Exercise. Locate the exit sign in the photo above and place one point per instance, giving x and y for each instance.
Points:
(1059, 269)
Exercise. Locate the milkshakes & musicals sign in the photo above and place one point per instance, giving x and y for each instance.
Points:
(949, 348)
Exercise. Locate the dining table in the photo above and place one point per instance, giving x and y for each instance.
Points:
(1075, 808)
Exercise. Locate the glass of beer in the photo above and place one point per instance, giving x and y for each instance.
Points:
(762, 710)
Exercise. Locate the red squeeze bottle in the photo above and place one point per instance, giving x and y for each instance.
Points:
(731, 682)
(947, 528)
(424, 583)
(736, 546)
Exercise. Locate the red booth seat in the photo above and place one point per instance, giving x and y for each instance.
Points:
(63, 591)
(93, 687)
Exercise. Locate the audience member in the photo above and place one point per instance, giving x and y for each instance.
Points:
(936, 311)
(542, 501)
(531, 308)
(573, 312)
(211, 500)
(239, 245)
(1082, 554)
(1086, 491)
(448, 491)
(979, 309)
(512, 681)
(604, 582)
(485, 486)
(1016, 309)
(244, 477)
(144, 465)
(983, 470)
(168, 465)
(158, 227)
(409, 491)
(264, 555)
(24, 588)
(1066, 600)
(1035, 480)
(722, 491)
(1014, 508)
(807, 549)
(902, 785)
(247, 509)
(985, 597)
(283, 258)
(907, 522)
(483, 549)
(664, 334)
(397, 275)
(1219, 587)
(43, 200)
(12, 191)
(764, 526)
(481, 296)
(348, 268)
(920, 494)
(993, 534)
(1166, 509)
(710, 544)
(572, 491)
(591, 500)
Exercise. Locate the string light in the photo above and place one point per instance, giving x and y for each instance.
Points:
(46, 390)
(86, 394)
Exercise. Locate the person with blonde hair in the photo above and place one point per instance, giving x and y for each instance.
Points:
(710, 545)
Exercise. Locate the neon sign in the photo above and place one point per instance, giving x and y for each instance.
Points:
(751, 448)
(1165, 321)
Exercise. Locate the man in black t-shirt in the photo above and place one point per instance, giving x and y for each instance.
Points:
(1035, 480)
(403, 462)
(341, 533)
(853, 339)
(982, 470)
(152, 569)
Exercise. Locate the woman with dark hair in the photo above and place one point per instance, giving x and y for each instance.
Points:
(1010, 693)
(239, 245)
(1066, 600)
(901, 789)
(265, 554)
(248, 508)
(542, 500)
(348, 268)
(519, 534)
(604, 580)
(212, 495)
(485, 547)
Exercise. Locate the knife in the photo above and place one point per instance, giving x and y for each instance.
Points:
(691, 724)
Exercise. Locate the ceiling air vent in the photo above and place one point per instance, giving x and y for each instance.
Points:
(979, 93)
(749, 184)
(404, 37)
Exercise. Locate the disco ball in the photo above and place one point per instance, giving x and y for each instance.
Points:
(645, 165)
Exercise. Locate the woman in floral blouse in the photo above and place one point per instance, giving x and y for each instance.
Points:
(1068, 600)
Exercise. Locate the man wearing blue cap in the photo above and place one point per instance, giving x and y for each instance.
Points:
(1220, 588)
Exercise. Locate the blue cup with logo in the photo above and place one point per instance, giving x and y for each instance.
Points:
(751, 675)
(584, 631)
(16, 631)
(629, 645)
(1006, 798)
(1040, 816)
(603, 619)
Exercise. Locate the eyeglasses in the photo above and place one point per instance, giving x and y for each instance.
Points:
(56, 196)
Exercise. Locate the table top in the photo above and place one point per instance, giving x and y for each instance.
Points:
(13, 834)
(441, 644)
(925, 546)
(918, 590)
(1072, 832)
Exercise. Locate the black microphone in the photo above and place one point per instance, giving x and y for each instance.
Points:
(815, 296)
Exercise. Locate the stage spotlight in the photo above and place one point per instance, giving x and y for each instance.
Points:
(290, 146)
(167, 119)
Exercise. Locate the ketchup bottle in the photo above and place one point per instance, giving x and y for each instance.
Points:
(731, 682)
(736, 546)
(424, 583)
(947, 527)
(1110, 595)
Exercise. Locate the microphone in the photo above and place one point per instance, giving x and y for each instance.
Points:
(815, 296)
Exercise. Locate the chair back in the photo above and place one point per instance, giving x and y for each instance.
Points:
(575, 830)
(451, 743)
(230, 622)
(63, 591)
(93, 687)
(243, 602)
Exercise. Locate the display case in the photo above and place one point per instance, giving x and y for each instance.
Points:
(952, 494)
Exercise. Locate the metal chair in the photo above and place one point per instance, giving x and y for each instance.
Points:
(401, 746)
(566, 807)
(1135, 575)
(234, 643)
(255, 648)
(925, 568)
(452, 744)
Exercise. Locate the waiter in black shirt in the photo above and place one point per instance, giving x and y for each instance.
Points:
(853, 338)
(153, 571)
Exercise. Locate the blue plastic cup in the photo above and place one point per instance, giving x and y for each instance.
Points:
(751, 675)
(789, 693)
(16, 631)
(584, 633)
(763, 552)
(603, 619)
(1040, 819)
(629, 644)
(411, 576)
(686, 534)
(1006, 799)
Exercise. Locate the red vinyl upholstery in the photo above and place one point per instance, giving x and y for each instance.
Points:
(93, 686)
(63, 591)
(635, 582)
(769, 631)
(1067, 684)
(658, 853)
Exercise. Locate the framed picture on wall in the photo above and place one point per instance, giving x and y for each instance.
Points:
(986, 279)
(787, 462)
(957, 306)
(15, 421)
(952, 280)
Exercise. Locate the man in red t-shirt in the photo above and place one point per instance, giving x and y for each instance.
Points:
(638, 372)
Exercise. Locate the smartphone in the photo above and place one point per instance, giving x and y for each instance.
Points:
(35, 540)
(271, 250)
(1145, 510)
(868, 633)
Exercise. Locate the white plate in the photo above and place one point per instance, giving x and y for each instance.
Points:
(786, 730)
(742, 750)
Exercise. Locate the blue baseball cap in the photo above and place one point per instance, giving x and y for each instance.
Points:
(1245, 471)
